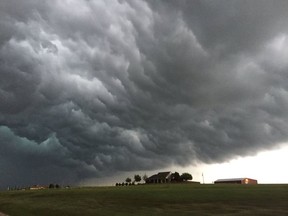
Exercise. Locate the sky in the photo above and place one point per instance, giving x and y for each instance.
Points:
(95, 89)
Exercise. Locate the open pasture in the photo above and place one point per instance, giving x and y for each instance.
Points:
(162, 199)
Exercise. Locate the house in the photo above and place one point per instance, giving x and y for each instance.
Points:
(37, 187)
(161, 177)
(236, 181)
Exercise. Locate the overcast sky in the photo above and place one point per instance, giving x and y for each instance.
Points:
(90, 88)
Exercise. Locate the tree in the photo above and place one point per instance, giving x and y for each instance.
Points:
(186, 177)
(51, 186)
(144, 177)
(176, 177)
(137, 178)
(128, 180)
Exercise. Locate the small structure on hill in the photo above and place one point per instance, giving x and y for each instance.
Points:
(236, 181)
(37, 187)
(161, 177)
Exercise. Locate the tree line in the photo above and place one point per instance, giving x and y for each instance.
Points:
(128, 181)
(175, 177)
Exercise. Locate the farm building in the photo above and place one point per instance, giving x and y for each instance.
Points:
(236, 181)
(161, 177)
(37, 187)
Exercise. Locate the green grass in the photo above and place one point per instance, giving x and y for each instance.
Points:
(165, 199)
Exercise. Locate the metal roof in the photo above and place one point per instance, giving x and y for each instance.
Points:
(231, 179)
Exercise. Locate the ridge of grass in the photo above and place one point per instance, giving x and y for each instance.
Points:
(161, 199)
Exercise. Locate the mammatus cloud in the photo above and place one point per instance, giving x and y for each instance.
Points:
(88, 88)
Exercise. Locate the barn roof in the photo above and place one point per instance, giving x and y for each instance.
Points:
(231, 179)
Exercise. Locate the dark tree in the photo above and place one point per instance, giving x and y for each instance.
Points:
(186, 177)
(176, 177)
(51, 186)
(137, 178)
(144, 177)
(128, 180)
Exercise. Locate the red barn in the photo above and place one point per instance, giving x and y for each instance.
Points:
(236, 181)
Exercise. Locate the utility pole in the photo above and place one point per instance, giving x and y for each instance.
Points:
(203, 177)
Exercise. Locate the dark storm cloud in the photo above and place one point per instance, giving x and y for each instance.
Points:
(88, 88)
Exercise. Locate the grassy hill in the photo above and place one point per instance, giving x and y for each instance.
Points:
(165, 199)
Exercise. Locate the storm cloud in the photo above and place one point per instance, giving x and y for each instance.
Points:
(92, 87)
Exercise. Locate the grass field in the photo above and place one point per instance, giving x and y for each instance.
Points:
(165, 199)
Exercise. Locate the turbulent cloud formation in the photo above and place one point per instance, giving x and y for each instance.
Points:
(90, 87)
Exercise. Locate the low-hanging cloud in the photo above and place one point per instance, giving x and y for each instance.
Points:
(92, 87)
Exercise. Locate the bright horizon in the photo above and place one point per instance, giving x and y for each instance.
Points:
(267, 167)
